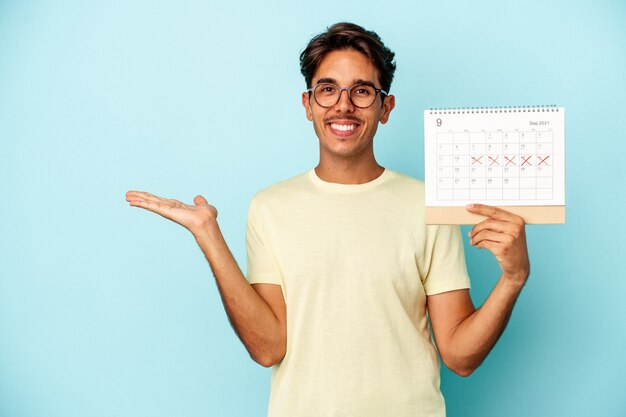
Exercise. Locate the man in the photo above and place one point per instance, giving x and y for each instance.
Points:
(343, 271)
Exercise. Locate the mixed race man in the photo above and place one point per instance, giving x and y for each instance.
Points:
(343, 274)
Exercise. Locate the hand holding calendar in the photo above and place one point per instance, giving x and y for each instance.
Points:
(507, 157)
(504, 235)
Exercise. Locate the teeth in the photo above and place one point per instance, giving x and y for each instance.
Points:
(343, 128)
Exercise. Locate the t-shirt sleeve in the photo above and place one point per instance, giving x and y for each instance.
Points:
(446, 269)
(261, 268)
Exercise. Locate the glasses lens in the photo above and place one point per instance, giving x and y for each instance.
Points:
(327, 95)
(363, 95)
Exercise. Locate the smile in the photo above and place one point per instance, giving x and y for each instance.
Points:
(342, 128)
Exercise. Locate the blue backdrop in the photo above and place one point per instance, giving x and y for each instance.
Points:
(107, 310)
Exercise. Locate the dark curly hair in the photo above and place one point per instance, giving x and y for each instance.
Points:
(346, 35)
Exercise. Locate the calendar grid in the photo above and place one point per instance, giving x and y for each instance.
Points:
(494, 165)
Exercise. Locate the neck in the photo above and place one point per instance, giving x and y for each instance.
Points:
(348, 172)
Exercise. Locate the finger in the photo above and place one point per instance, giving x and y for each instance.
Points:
(163, 208)
(146, 204)
(491, 236)
(156, 198)
(494, 213)
(497, 226)
(144, 196)
(132, 194)
(491, 246)
(136, 192)
(140, 194)
(200, 201)
(137, 197)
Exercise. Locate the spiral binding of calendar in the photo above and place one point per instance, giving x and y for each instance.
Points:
(507, 109)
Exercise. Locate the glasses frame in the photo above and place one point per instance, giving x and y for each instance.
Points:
(377, 91)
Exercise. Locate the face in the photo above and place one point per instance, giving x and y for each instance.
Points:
(344, 130)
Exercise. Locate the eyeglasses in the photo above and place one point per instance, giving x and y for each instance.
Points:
(361, 95)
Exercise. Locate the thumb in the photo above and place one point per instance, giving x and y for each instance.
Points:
(200, 201)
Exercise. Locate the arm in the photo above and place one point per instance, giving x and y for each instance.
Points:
(257, 313)
(464, 334)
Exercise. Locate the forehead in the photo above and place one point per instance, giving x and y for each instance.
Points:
(345, 67)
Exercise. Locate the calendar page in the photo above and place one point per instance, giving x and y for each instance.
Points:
(495, 156)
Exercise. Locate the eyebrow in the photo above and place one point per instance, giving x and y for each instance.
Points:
(355, 82)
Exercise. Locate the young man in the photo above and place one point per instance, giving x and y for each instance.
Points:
(342, 271)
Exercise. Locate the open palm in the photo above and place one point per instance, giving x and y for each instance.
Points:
(193, 217)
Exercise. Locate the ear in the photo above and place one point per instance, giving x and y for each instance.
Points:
(388, 105)
(306, 102)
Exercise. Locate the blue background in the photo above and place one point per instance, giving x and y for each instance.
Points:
(107, 310)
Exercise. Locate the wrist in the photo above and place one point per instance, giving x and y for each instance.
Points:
(515, 281)
(207, 229)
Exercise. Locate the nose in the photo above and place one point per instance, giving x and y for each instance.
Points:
(345, 103)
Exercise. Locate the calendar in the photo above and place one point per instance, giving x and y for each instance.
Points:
(511, 157)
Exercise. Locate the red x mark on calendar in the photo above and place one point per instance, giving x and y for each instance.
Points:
(493, 161)
(475, 160)
(526, 160)
(510, 160)
(542, 161)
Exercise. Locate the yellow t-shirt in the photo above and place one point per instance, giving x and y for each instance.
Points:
(355, 263)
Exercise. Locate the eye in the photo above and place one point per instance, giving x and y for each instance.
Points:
(363, 90)
(326, 89)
